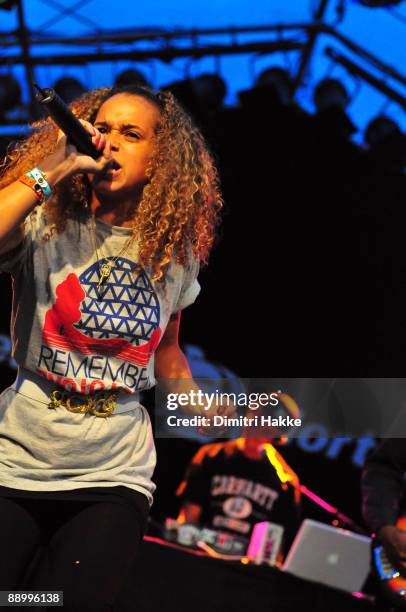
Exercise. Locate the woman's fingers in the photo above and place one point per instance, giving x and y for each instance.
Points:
(98, 139)
(89, 127)
(82, 162)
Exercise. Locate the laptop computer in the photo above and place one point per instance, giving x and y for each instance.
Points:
(331, 556)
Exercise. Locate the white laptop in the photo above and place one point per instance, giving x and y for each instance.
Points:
(331, 556)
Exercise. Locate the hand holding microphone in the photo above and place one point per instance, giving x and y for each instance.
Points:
(66, 120)
(80, 148)
(90, 153)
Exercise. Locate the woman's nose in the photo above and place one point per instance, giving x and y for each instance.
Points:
(114, 140)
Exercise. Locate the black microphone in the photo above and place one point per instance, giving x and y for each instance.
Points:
(66, 120)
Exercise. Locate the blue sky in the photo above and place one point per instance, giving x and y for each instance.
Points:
(377, 30)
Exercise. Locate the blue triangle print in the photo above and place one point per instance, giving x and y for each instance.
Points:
(123, 305)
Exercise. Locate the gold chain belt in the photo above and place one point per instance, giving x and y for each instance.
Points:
(101, 404)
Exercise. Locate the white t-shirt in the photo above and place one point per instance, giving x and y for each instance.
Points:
(70, 333)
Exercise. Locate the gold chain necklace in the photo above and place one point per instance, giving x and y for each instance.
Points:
(106, 268)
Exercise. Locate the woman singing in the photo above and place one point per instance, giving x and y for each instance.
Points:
(103, 254)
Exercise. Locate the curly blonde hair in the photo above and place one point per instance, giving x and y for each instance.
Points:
(180, 206)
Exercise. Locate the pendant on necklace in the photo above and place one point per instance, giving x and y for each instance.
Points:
(105, 272)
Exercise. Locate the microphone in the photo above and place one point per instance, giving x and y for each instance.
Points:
(66, 120)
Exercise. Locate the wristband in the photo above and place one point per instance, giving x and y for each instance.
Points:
(41, 181)
(26, 179)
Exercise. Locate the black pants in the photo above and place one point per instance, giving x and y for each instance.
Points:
(85, 549)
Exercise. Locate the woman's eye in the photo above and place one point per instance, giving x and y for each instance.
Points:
(102, 130)
(133, 134)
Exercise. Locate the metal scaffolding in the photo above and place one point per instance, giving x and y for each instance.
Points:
(20, 47)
